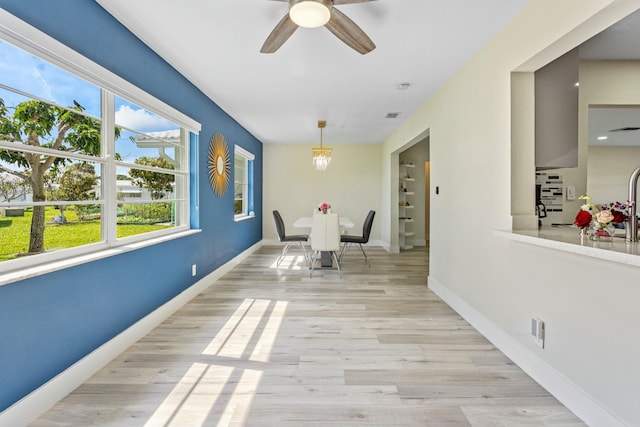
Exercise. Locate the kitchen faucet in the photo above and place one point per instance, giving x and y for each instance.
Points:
(632, 226)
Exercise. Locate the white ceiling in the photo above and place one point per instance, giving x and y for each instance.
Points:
(314, 76)
(619, 125)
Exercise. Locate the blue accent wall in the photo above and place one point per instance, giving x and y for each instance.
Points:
(51, 321)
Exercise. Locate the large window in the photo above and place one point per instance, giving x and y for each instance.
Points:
(83, 166)
(243, 183)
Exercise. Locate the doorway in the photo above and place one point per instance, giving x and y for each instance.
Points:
(414, 202)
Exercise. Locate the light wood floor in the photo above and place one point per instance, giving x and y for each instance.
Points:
(268, 346)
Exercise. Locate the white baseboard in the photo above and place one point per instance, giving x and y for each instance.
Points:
(390, 248)
(419, 242)
(272, 242)
(30, 407)
(375, 243)
(568, 393)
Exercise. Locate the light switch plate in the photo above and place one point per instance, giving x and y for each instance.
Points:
(571, 192)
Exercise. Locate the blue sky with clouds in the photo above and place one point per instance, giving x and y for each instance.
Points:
(29, 74)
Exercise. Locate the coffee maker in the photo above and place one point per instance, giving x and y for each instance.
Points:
(541, 209)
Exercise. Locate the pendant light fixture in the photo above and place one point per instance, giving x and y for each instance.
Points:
(321, 155)
(310, 13)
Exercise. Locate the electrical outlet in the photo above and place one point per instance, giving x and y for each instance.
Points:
(537, 331)
(193, 270)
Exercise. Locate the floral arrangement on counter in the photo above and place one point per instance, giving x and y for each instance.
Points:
(600, 221)
(324, 207)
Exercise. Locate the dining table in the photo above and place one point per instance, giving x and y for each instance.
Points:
(307, 222)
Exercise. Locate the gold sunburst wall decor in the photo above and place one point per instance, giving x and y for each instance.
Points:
(219, 165)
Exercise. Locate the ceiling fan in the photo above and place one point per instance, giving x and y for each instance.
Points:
(316, 13)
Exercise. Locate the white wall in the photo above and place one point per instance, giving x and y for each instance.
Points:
(608, 83)
(590, 306)
(351, 184)
(609, 169)
(418, 155)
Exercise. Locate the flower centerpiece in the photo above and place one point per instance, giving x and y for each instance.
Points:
(324, 207)
(585, 216)
(619, 210)
(600, 222)
(602, 225)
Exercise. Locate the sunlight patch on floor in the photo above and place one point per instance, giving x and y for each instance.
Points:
(191, 400)
(262, 350)
(236, 343)
(290, 262)
(237, 409)
(227, 330)
(227, 392)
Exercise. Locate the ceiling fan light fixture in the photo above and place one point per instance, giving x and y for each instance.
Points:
(321, 155)
(310, 13)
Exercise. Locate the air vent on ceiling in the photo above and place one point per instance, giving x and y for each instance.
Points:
(625, 129)
(392, 115)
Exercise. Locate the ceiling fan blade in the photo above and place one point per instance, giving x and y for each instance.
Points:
(280, 34)
(349, 32)
(340, 2)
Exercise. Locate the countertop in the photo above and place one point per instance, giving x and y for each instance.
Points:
(568, 239)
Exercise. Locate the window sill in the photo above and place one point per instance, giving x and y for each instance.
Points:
(26, 273)
(568, 239)
(243, 218)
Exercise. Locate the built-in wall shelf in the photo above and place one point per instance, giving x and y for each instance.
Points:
(406, 203)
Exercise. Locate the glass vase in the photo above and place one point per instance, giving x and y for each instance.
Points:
(602, 232)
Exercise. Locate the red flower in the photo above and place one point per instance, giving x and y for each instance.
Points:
(582, 219)
(618, 217)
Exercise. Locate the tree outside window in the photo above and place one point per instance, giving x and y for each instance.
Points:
(39, 124)
(67, 171)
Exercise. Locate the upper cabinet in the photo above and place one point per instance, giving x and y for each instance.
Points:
(556, 113)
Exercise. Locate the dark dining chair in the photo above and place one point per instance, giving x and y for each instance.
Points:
(348, 239)
(288, 240)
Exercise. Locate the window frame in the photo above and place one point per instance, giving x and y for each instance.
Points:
(23, 36)
(247, 180)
